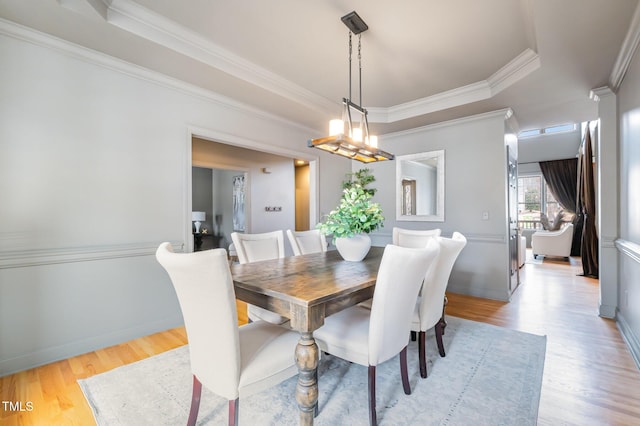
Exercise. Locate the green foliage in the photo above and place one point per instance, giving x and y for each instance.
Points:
(356, 213)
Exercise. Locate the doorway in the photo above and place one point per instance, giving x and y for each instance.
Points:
(281, 184)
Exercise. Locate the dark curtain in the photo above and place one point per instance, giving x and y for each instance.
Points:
(587, 202)
(562, 178)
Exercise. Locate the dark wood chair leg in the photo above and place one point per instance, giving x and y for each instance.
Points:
(439, 332)
(234, 405)
(195, 402)
(372, 396)
(443, 317)
(413, 336)
(404, 372)
(422, 355)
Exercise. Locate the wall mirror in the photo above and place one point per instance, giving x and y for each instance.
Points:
(420, 187)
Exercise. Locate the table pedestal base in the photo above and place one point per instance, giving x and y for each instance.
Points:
(307, 356)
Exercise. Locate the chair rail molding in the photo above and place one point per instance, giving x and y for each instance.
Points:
(628, 248)
(26, 258)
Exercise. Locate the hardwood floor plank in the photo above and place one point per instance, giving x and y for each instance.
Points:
(589, 375)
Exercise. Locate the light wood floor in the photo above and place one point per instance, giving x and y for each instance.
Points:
(589, 376)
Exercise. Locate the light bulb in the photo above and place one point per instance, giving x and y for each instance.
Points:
(372, 141)
(336, 127)
(357, 134)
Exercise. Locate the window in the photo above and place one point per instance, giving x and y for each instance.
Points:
(534, 197)
(560, 128)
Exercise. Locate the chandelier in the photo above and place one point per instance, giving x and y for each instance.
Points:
(350, 137)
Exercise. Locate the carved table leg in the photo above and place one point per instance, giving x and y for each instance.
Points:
(307, 387)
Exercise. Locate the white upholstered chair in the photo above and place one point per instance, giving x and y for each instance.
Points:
(305, 242)
(254, 248)
(231, 361)
(553, 243)
(410, 238)
(371, 337)
(413, 238)
(429, 309)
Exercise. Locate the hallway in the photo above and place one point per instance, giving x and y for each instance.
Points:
(590, 377)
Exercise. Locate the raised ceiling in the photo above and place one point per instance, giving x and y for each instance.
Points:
(424, 61)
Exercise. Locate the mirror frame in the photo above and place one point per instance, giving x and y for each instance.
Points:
(439, 216)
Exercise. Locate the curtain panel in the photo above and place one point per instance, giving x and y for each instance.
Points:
(561, 177)
(587, 202)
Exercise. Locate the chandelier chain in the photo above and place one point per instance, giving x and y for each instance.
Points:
(360, 66)
(350, 50)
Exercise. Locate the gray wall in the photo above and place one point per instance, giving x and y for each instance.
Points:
(202, 195)
(629, 237)
(95, 172)
(475, 181)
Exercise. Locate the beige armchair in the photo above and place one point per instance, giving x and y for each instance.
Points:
(553, 243)
(230, 361)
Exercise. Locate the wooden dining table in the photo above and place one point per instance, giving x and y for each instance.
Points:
(307, 289)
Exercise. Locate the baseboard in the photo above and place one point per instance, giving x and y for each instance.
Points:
(607, 311)
(484, 293)
(57, 353)
(630, 338)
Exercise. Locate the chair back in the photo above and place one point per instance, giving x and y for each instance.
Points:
(400, 276)
(413, 238)
(435, 283)
(305, 242)
(203, 284)
(257, 247)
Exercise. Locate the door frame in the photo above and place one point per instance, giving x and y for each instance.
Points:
(240, 142)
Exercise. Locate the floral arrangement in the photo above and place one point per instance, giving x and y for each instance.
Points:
(356, 213)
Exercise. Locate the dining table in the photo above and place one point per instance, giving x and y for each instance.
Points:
(307, 289)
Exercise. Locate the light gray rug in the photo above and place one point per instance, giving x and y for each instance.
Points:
(490, 376)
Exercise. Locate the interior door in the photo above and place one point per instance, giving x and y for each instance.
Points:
(512, 180)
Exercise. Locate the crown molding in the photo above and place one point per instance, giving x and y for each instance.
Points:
(599, 93)
(522, 65)
(138, 20)
(505, 114)
(29, 35)
(147, 24)
(627, 50)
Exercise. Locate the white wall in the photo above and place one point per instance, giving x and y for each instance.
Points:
(94, 174)
(547, 148)
(475, 181)
(628, 242)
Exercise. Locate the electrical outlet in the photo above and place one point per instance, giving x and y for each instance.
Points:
(485, 215)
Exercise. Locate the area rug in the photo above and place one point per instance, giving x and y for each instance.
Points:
(490, 376)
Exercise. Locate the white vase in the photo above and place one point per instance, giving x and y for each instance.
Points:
(355, 248)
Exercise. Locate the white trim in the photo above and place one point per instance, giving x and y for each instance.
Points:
(632, 341)
(380, 239)
(521, 66)
(627, 50)
(505, 113)
(51, 354)
(145, 23)
(93, 57)
(440, 190)
(238, 141)
(28, 258)
(138, 20)
(630, 249)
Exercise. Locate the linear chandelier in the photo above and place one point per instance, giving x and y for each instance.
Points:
(348, 137)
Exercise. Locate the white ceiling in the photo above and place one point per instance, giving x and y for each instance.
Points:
(424, 61)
